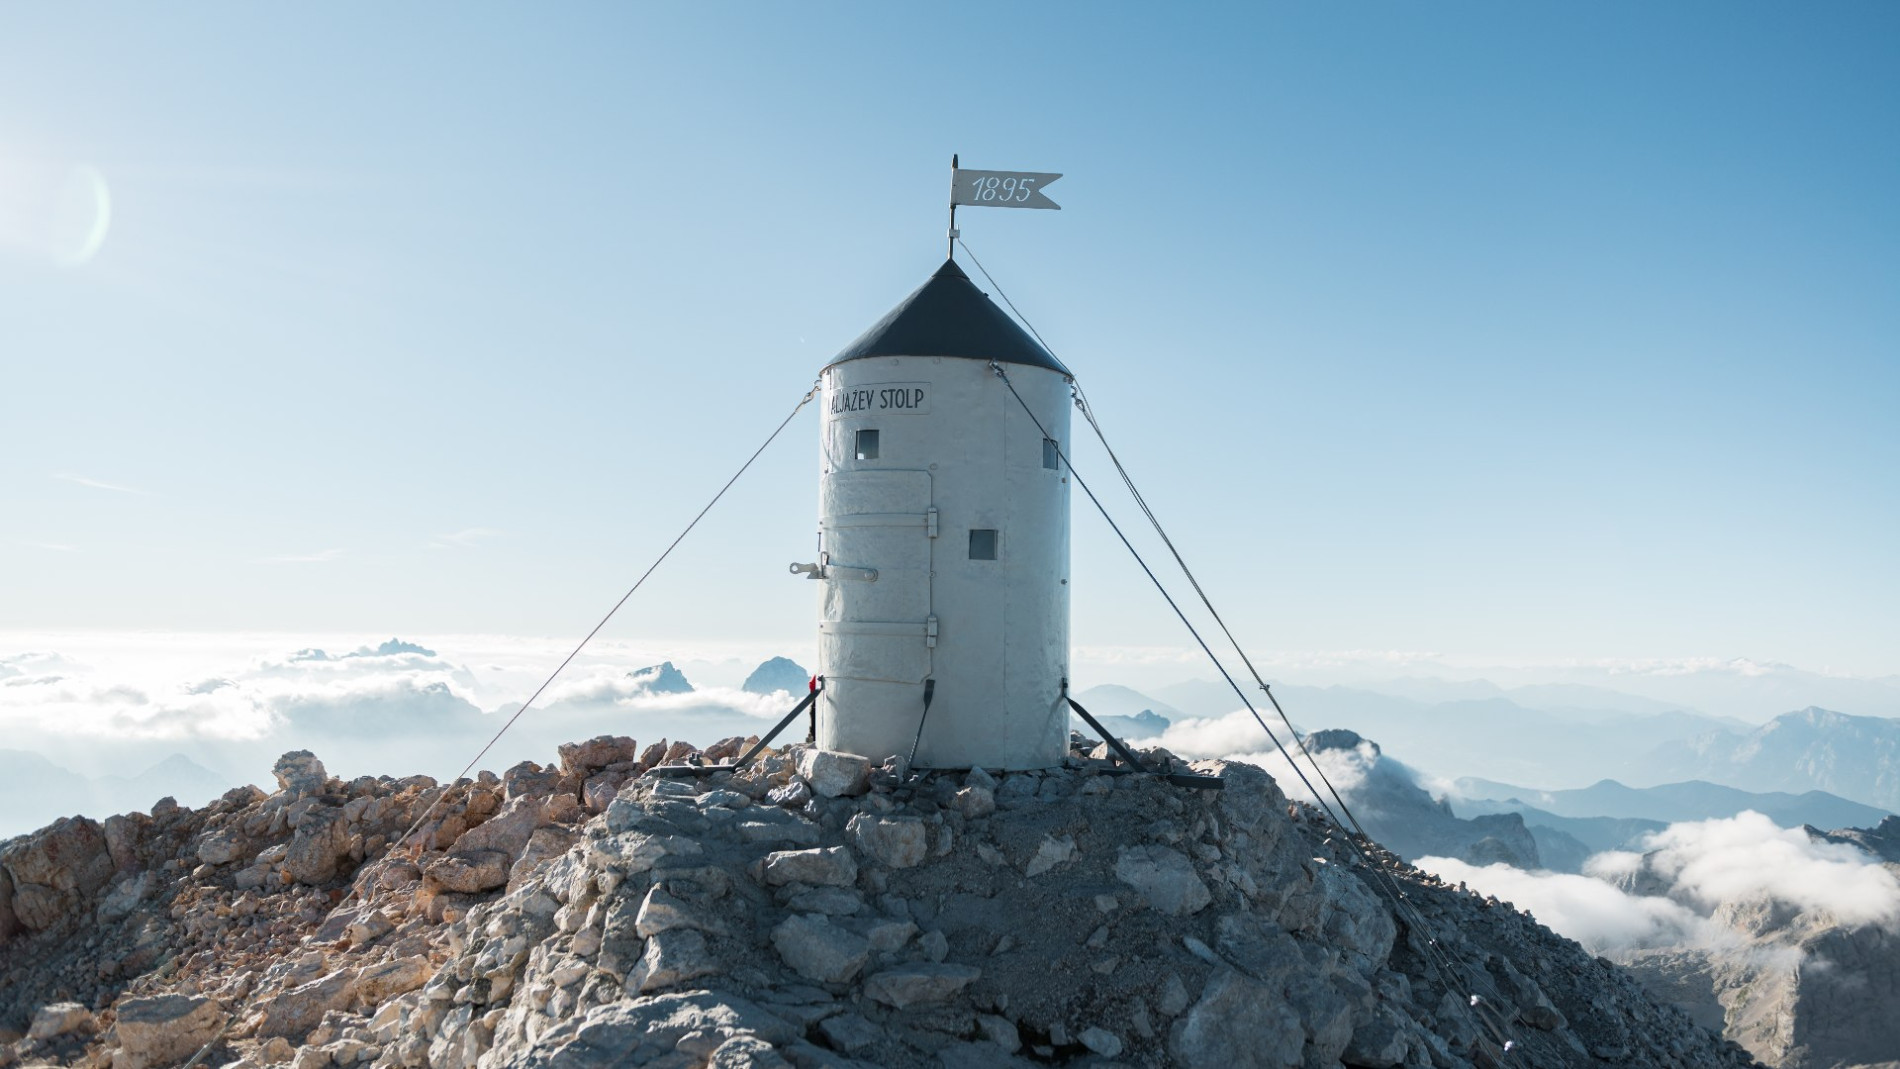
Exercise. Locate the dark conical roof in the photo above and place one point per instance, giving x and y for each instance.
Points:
(949, 316)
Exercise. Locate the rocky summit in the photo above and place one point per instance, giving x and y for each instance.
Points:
(810, 910)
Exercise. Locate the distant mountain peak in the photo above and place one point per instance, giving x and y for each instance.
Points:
(1339, 739)
(1112, 699)
(661, 678)
(777, 674)
(391, 648)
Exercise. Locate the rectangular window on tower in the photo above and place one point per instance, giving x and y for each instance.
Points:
(867, 444)
(1051, 456)
(982, 543)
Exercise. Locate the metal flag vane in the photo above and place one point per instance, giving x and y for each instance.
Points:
(996, 189)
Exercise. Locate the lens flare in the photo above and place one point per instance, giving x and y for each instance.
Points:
(81, 217)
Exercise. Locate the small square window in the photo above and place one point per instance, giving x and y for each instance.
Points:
(867, 444)
(1051, 456)
(982, 543)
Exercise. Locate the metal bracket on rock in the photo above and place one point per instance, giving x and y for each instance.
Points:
(687, 771)
(1190, 780)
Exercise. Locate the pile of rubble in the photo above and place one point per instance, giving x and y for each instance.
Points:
(811, 910)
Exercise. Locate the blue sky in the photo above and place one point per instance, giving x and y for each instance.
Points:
(1500, 331)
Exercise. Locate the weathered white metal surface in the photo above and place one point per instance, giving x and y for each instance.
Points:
(956, 453)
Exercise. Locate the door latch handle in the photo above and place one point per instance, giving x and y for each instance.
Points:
(835, 571)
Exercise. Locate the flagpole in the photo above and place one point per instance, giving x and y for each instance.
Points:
(952, 237)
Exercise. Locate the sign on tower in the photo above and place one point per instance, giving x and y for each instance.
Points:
(1001, 189)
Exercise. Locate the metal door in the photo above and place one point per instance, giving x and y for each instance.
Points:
(877, 531)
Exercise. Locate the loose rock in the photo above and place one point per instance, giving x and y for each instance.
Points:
(920, 983)
(819, 950)
(164, 1029)
(832, 774)
(1164, 878)
(898, 844)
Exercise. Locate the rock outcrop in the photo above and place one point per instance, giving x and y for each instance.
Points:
(1882, 840)
(52, 872)
(1799, 988)
(807, 911)
(164, 1029)
(1399, 813)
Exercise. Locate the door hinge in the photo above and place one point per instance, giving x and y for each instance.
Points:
(930, 521)
(930, 631)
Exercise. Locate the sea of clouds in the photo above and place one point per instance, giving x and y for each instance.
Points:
(1695, 869)
(106, 708)
(1667, 892)
(112, 707)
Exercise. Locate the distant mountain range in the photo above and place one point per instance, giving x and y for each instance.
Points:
(35, 792)
(1856, 757)
(1671, 802)
(1561, 733)
(1126, 714)
(1569, 700)
(1571, 825)
(1815, 767)
(1499, 738)
(1584, 730)
(1112, 699)
(1753, 690)
(1385, 797)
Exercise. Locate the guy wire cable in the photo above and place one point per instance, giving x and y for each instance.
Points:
(1441, 965)
(1434, 956)
(1169, 598)
(444, 791)
(1156, 523)
(1088, 413)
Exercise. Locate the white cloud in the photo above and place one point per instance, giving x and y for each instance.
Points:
(28, 681)
(36, 662)
(1600, 916)
(1747, 857)
(1237, 732)
(267, 692)
(1238, 737)
(1694, 868)
(615, 688)
(1697, 868)
(97, 484)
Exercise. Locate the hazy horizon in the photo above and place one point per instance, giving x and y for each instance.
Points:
(62, 693)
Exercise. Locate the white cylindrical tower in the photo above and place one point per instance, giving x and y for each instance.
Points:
(944, 538)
